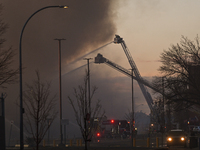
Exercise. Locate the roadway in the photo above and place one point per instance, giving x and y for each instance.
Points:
(117, 144)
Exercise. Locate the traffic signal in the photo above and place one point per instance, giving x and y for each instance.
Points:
(98, 134)
(133, 122)
(112, 121)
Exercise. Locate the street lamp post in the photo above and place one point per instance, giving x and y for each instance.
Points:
(60, 88)
(88, 74)
(89, 101)
(20, 73)
(133, 118)
(163, 113)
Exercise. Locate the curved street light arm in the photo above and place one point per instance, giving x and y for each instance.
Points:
(20, 71)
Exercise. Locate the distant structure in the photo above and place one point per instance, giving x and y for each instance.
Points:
(2, 124)
(194, 76)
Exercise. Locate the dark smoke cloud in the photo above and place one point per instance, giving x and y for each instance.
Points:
(89, 25)
(85, 25)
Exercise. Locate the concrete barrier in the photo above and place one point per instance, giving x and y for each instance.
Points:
(70, 142)
(157, 142)
(54, 143)
(18, 145)
(134, 142)
(77, 142)
(80, 142)
(148, 142)
(44, 144)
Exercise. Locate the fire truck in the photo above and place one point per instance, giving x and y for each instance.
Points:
(113, 129)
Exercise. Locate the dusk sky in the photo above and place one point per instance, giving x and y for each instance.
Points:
(147, 26)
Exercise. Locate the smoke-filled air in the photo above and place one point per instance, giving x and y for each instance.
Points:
(88, 27)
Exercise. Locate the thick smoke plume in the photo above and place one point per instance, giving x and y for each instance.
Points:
(86, 25)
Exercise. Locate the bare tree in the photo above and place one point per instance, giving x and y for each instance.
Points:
(157, 117)
(180, 69)
(39, 107)
(84, 112)
(7, 74)
(131, 119)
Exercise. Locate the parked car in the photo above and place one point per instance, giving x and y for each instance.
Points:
(176, 137)
(196, 129)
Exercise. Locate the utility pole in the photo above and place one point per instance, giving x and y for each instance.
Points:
(87, 114)
(163, 116)
(20, 72)
(88, 75)
(60, 88)
(2, 123)
(133, 118)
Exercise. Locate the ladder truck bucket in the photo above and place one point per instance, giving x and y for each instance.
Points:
(99, 59)
(117, 39)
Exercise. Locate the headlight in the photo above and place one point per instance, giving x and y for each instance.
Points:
(182, 139)
(169, 139)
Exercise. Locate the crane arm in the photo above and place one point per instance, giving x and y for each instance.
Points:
(119, 40)
(100, 59)
(144, 90)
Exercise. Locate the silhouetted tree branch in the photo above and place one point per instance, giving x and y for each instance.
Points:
(7, 74)
(85, 117)
(180, 70)
(39, 107)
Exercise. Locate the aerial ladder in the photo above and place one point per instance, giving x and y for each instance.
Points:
(119, 40)
(142, 83)
(100, 59)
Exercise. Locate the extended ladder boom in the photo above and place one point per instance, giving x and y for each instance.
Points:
(144, 90)
(100, 59)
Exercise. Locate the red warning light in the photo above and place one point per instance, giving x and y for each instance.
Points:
(112, 121)
(98, 134)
